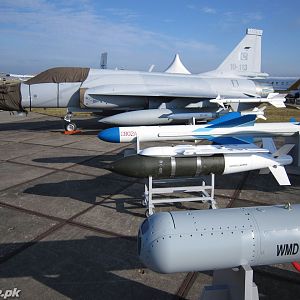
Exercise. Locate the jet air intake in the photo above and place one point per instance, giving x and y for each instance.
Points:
(263, 89)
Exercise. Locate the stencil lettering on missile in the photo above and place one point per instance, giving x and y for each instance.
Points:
(128, 133)
(287, 249)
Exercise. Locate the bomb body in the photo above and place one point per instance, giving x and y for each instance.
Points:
(142, 166)
(186, 241)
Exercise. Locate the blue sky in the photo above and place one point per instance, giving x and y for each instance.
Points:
(39, 34)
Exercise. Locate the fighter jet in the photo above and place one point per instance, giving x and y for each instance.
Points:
(94, 90)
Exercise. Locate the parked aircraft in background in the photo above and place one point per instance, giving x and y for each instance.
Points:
(84, 89)
(95, 90)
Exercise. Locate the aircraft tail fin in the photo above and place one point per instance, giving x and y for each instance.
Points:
(245, 59)
(103, 60)
(294, 86)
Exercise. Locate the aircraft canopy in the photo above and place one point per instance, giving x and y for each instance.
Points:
(59, 75)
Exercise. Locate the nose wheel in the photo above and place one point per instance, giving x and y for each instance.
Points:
(69, 125)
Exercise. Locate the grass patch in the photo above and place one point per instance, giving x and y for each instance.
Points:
(274, 114)
(57, 112)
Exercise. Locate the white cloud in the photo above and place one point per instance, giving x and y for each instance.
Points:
(203, 9)
(40, 34)
(233, 18)
(208, 10)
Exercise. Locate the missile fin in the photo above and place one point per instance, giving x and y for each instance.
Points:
(285, 149)
(280, 175)
(232, 119)
(264, 171)
(277, 104)
(268, 143)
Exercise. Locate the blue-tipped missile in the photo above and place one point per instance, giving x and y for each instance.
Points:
(229, 125)
(201, 240)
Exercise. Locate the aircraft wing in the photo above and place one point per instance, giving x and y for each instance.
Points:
(157, 90)
(203, 150)
(150, 91)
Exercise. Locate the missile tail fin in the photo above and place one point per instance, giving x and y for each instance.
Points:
(280, 175)
(268, 143)
(284, 150)
(264, 171)
(277, 104)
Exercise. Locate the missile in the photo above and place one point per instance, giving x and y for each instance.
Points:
(201, 240)
(190, 161)
(168, 116)
(231, 125)
(274, 99)
(153, 117)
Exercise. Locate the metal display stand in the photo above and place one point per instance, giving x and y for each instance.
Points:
(206, 191)
(232, 284)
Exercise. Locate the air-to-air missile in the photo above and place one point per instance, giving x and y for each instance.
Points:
(189, 161)
(274, 99)
(199, 240)
(229, 125)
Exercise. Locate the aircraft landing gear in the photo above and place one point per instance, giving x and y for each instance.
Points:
(69, 125)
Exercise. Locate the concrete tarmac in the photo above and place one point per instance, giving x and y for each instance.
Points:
(68, 227)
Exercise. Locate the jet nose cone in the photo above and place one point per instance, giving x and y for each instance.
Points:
(110, 135)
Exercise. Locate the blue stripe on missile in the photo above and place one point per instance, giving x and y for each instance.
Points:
(247, 120)
(225, 118)
(232, 119)
(110, 135)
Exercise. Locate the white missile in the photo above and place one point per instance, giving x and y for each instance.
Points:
(167, 116)
(200, 240)
(228, 126)
(274, 99)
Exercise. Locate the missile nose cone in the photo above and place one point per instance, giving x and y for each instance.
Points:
(110, 135)
(112, 120)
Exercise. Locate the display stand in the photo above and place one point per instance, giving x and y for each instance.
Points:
(232, 284)
(205, 190)
(166, 186)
